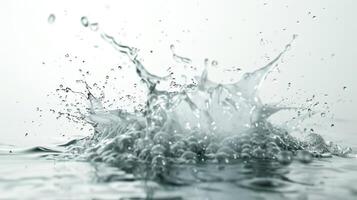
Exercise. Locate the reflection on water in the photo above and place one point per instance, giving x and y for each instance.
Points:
(38, 176)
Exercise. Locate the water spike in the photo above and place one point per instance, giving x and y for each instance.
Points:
(147, 77)
(203, 80)
(177, 58)
(251, 82)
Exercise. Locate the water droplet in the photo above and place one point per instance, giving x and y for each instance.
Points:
(172, 47)
(323, 114)
(304, 156)
(214, 63)
(344, 87)
(51, 18)
(84, 21)
(285, 157)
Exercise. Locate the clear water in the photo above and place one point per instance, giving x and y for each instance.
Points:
(36, 177)
(197, 140)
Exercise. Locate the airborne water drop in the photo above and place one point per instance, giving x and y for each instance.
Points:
(214, 63)
(94, 26)
(84, 21)
(51, 18)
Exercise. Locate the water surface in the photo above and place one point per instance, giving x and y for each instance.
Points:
(35, 176)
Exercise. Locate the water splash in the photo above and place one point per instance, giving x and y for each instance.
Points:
(206, 122)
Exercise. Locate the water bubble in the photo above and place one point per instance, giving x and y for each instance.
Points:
(158, 163)
(84, 21)
(227, 150)
(123, 143)
(189, 156)
(193, 146)
(51, 18)
(161, 138)
(304, 156)
(178, 148)
(285, 157)
(212, 148)
(223, 157)
(144, 154)
(245, 155)
(246, 147)
(158, 150)
(273, 151)
(258, 153)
